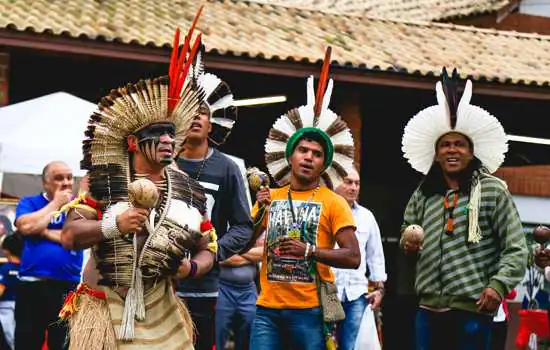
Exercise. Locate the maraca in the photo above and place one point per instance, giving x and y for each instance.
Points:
(143, 193)
(256, 179)
(413, 236)
(541, 235)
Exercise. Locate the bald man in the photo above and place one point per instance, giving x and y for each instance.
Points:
(353, 284)
(48, 271)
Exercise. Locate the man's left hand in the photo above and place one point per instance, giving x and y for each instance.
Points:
(375, 299)
(292, 246)
(489, 300)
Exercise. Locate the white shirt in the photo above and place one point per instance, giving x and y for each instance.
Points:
(354, 283)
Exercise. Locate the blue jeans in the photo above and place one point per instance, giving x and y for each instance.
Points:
(452, 330)
(348, 329)
(296, 329)
(235, 310)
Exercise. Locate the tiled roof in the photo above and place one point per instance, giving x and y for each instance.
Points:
(425, 10)
(281, 33)
(532, 180)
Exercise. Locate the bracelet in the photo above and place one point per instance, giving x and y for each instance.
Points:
(193, 269)
(307, 250)
(109, 228)
(313, 249)
(382, 290)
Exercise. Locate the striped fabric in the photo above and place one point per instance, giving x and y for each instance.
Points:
(451, 272)
(164, 327)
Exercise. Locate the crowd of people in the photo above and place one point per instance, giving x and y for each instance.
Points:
(176, 248)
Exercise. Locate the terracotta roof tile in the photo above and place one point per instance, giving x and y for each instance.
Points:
(426, 10)
(277, 32)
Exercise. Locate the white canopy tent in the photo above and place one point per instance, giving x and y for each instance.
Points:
(36, 132)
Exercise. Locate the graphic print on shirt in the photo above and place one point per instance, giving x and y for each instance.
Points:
(210, 190)
(289, 268)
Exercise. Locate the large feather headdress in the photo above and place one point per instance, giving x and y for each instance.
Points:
(173, 98)
(317, 117)
(218, 98)
(453, 115)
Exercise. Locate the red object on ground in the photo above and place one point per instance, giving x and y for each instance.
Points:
(532, 321)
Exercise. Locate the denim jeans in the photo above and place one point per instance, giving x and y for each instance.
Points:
(296, 329)
(452, 330)
(235, 311)
(348, 329)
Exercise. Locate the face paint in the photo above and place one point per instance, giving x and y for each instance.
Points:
(156, 142)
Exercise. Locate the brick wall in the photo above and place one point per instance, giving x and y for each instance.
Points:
(4, 78)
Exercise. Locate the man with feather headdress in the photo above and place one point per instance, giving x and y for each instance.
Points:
(143, 216)
(308, 152)
(461, 221)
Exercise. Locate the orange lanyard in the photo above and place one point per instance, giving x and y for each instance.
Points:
(451, 220)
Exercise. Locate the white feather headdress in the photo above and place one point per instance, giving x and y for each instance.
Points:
(314, 116)
(425, 128)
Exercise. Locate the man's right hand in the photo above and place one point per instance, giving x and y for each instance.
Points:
(62, 197)
(263, 196)
(131, 220)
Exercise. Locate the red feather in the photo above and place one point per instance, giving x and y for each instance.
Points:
(174, 58)
(192, 55)
(177, 71)
(322, 84)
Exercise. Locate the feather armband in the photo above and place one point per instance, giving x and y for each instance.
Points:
(208, 229)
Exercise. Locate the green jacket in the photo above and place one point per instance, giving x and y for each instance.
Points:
(450, 271)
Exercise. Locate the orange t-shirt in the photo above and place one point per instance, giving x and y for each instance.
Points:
(287, 281)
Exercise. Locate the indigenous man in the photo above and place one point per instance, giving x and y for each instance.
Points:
(473, 251)
(308, 151)
(138, 245)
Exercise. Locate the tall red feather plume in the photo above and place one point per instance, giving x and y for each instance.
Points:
(174, 55)
(322, 84)
(177, 70)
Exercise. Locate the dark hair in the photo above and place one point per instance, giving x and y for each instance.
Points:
(434, 181)
(313, 136)
(13, 243)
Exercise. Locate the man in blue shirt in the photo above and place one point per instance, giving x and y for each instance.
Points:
(48, 271)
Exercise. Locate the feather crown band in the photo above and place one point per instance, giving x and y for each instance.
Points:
(316, 117)
(173, 98)
(453, 114)
(218, 98)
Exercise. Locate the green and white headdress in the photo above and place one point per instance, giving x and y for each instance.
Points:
(454, 115)
(314, 117)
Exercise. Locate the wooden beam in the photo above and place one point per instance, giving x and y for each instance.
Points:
(136, 52)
